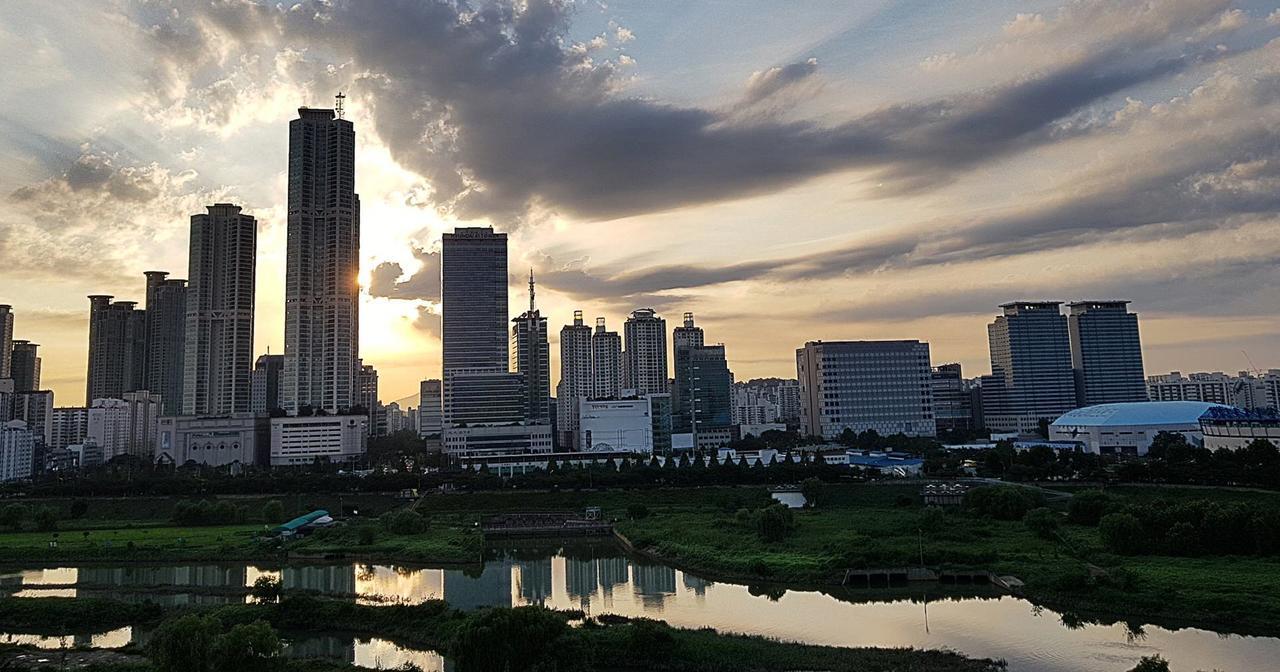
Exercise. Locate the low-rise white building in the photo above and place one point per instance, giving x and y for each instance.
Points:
(17, 450)
(218, 441)
(480, 440)
(1233, 429)
(302, 440)
(1129, 428)
(610, 425)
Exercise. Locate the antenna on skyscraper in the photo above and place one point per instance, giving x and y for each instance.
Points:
(337, 106)
(531, 289)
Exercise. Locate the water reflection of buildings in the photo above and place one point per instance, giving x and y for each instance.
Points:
(332, 648)
(196, 576)
(330, 579)
(697, 584)
(534, 580)
(613, 572)
(653, 583)
(491, 589)
(581, 579)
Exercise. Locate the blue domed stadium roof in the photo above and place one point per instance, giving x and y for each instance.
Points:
(1137, 414)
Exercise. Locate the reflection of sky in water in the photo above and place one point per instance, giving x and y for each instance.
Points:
(380, 654)
(112, 639)
(1007, 627)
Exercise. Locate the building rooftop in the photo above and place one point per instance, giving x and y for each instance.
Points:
(1137, 413)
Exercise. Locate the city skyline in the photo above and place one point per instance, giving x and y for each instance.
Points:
(97, 198)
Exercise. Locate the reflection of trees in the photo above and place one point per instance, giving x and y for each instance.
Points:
(366, 572)
(773, 592)
(1134, 632)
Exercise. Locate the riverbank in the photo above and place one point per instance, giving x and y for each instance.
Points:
(518, 639)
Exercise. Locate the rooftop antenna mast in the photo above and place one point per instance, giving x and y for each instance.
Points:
(337, 106)
(531, 290)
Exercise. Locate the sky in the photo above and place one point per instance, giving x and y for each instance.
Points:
(786, 171)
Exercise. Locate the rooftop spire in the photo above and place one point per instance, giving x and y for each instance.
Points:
(531, 289)
(337, 105)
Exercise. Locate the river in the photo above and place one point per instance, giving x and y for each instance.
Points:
(599, 578)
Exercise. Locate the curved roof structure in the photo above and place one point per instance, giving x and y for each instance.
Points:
(1137, 414)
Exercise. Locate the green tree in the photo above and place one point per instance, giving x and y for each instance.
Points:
(1088, 507)
(774, 522)
(13, 515)
(46, 519)
(1002, 502)
(514, 640)
(1042, 522)
(247, 647)
(273, 512)
(267, 589)
(183, 644)
(933, 519)
(810, 488)
(1122, 533)
(1151, 664)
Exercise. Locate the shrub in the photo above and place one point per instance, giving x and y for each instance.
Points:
(810, 488)
(247, 647)
(512, 640)
(1088, 507)
(267, 589)
(183, 644)
(273, 512)
(933, 519)
(79, 507)
(365, 535)
(1002, 502)
(1122, 533)
(403, 521)
(13, 515)
(774, 523)
(46, 519)
(1042, 522)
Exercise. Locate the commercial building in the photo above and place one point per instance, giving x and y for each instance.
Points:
(617, 425)
(218, 360)
(127, 426)
(473, 263)
(430, 409)
(893, 465)
(1129, 428)
(644, 356)
(166, 339)
(531, 358)
(606, 362)
(884, 386)
(322, 262)
(300, 441)
(484, 397)
(1106, 353)
(117, 348)
(1034, 382)
(1229, 428)
(24, 366)
(17, 451)
(683, 339)
(497, 440)
(242, 439)
(660, 413)
(367, 393)
(266, 383)
(576, 380)
(706, 372)
(6, 339)
(952, 400)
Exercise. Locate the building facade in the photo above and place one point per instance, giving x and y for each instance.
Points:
(884, 386)
(1216, 387)
(430, 407)
(531, 358)
(576, 381)
(710, 385)
(17, 451)
(6, 339)
(952, 400)
(35, 407)
(218, 359)
(1030, 350)
(125, 426)
(70, 425)
(117, 348)
(644, 356)
(166, 339)
(333, 438)
(1129, 428)
(683, 338)
(322, 264)
(606, 362)
(1106, 353)
(266, 383)
(214, 441)
(24, 366)
(617, 425)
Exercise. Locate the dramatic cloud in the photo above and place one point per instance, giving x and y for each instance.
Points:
(423, 285)
(428, 320)
(501, 113)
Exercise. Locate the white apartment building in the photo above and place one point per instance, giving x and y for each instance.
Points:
(17, 449)
(125, 426)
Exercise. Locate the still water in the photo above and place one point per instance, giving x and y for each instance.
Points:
(599, 578)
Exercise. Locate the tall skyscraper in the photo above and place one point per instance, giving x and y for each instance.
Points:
(645, 353)
(24, 366)
(367, 393)
(1030, 366)
(219, 341)
(117, 348)
(606, 362)
(862, 385)
(710, 387)
(322, 293)
(166, 339)
(531, 357)
(952, 399)
(576, 381)
(268, 375)
(6, 338)
(485, 409)
(682, 339)
(1106, 353)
